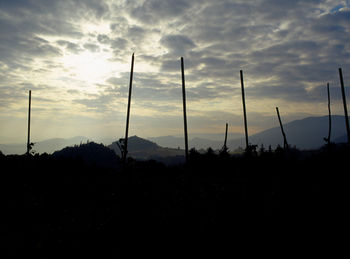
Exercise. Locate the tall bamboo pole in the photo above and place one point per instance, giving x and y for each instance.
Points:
(184, 107)
(285, 143)
(344, 104)
(29, 110)
(329, 116)
(226, 136)
(244, 112)
(224, 147)
(128, 112)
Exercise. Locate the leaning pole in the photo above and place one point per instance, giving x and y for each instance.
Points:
(244, 112)
(344, 104)
(285, 143)
(184, 107)
(128, 112)
(329, 116)
(225, 141)
(28, 136)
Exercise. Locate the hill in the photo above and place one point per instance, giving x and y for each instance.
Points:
(91, 153)
(142, 149)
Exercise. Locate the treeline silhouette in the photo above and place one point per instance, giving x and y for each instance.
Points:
(58, 203)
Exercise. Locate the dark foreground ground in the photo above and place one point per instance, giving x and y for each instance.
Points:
(55, 207)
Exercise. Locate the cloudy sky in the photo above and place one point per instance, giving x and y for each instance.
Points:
(75, 56)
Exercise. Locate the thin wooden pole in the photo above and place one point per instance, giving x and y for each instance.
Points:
(128, 112)
(29, 110)
(184, 107)
(329, 116)
(344, 103)
(224, 147)
(244, 112)
(226, 136)
(285, 143)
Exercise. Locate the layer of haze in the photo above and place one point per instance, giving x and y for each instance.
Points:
(75, 57)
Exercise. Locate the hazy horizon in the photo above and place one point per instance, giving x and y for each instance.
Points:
(75, 57)
(212, 136)
(208, 136)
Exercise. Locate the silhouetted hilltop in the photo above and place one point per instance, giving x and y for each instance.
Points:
(137, 143)
(90, 153)
(142, 149)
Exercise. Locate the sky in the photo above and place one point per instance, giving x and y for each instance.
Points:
(75, 56)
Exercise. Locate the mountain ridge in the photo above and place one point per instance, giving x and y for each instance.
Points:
(306, 133)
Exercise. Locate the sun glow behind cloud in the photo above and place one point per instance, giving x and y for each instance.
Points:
(92, 68)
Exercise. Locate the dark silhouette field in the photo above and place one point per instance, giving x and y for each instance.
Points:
(54, 204)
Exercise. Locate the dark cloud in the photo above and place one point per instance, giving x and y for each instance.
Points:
(91, 47)
(119, 24)
(57, 7)
(119, 44)
(154, 11)
(19, 52)
(72, 47)
(103, 38)
(178, 45)
(136, 33)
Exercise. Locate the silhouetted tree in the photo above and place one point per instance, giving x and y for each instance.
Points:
(262, 149)
(193, 155)
(251, 150)
(29, 148)
(270, 149)
(279, 151)
(210, 152)
(123, 150)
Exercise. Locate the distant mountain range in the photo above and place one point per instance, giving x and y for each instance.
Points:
(49, 146)
(199, 141)
(307, 133)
